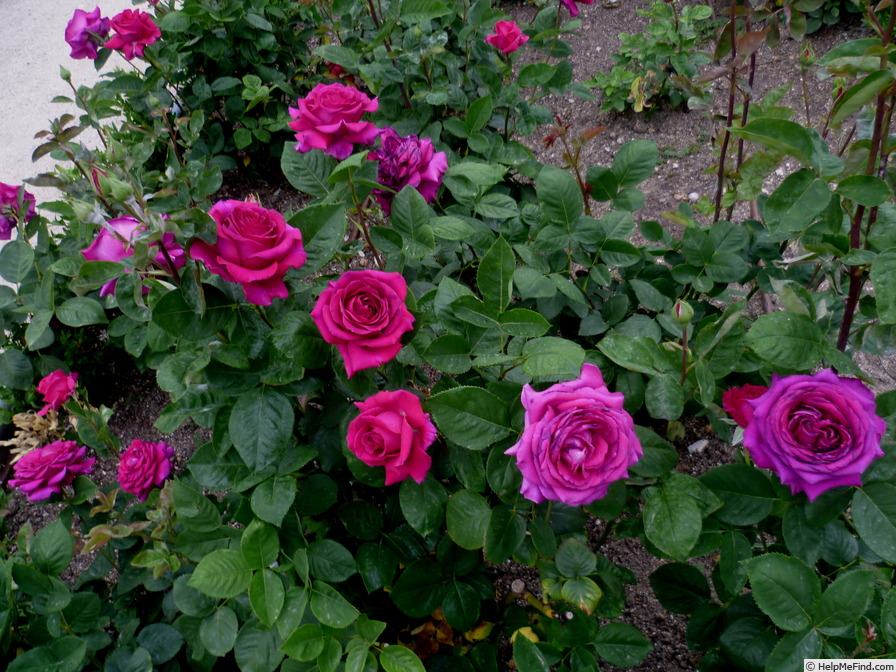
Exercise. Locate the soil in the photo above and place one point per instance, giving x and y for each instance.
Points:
(685, 140)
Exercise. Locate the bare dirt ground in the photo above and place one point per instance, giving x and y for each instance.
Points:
(685, 141)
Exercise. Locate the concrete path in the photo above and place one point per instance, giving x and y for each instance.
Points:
(32, 48)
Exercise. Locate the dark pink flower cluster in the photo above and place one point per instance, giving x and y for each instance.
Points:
(407, 161)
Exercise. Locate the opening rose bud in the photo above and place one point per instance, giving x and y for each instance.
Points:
(736, 402)
(56, 389)
(9, 208)
(507, 37)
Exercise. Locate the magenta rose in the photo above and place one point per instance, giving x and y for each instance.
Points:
(364, 316)
(56, 389)
(85, 32)
(9, 208)
(393, 432)
(736, 402)
(407, 161)
(255, 248)
(329, 118)
(507, 37)
(571, 5)
(577, 440)
(44, 471)
(134, 31)
(815, 432)
(144, 466)
(116, 242)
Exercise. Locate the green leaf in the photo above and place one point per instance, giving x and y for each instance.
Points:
(260, 545)
(803, 540)
(791, 652)
(449, 353)
(786, 136)
(470, 416)
(582, 593)
(261, 426)
(16, 261)
(420, 588)
(330, 607)
(420, 11)
(874, 515)
(866, 190)
(559, 196)
(844, 602)
(495, 275)
(787, 340)
(307, 172)
(664, 397)
(785, 588)
(883, 279)
(341, 56)
(634, 162)
(796, 203)
(331, 561)
(306, 643)
(266, 595)
(323, 232)
(523, 322)
(553, 358)
(15, 370)
(218, 631)
(672, 521)
(622, 644)
(503, 535)
(534, 74)
(680, 588)
(400, 659)
(746, 493)
(61, 655)
(410, 217)
(257, 649)
(527, 656)
(52, 548)
(161, 640)
(575, 559)
(222, 573)
(467, 517)
(272, 498)
(461, 605)
(423, 504)
(860, 94)
(80, 311)
(478, 114)
(634, 353)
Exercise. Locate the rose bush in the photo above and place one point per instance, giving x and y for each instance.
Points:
(115, 242)
(134, 31)
(44, 471)
(56, 389)
(9, 208)
(85, 32)
(507, 37)
(407, 161)
(364, 316)
(392, 431)
(815, 432)
(255, 248)
(577, 440)
(736, 402)
(144, 466)
(329, 118)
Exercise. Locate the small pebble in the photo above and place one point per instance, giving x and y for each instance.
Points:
(518, 586)
(698, 446)
(693, 197)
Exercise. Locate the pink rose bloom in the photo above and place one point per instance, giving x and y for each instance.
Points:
(577, 440)
(255, 248)
(329, 118)
(9, 208)
(134, 31)
(393, 432)
(144, 466)
(43, 471)
(116, 242)
(736, 402)
(364, 316)
(85, 32)
(571, 5)
(56, 388)
(507, 37)
(407, 161)
(815, 432)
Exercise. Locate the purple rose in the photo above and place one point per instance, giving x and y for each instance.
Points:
(571, 5)
(329, 118)
(144, 466)
(577, 440)
(407, 161)
(815, 432)
(255, 247)
(116, 242)
(43, 471)
(85, 32)
(9, 208)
